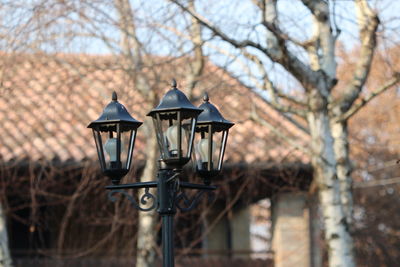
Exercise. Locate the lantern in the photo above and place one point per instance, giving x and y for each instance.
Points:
(114, 134)
(210, 146)
(174, 122)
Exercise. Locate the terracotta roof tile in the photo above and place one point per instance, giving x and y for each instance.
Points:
(47, 101)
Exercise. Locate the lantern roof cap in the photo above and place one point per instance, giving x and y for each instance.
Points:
(211, 115)
(176, 100)
(115, 112)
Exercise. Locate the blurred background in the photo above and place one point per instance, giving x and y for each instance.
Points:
(62, 59)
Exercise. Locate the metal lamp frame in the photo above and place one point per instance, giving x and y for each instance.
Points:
(209, 122)
(115, 119)
(171, 194)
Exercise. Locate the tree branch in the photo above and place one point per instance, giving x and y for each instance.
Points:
(275, 92)
(256, 118)
(290, 62)
(368, 22)
(356, 107)
(266, 6)
(324, 38)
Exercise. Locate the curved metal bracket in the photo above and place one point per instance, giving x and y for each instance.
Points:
(191, 203)
(144, 199)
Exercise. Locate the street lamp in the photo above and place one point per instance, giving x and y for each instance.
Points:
(176, 121)
(213, 129)
(117, 127)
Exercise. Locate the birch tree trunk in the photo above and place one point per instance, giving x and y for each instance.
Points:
(337, 234)
(5, 257)
(131, 51)
(146, 237)
(343, 168)
(196, 66)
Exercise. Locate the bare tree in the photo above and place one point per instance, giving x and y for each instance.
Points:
(325, 111)
(132, 51)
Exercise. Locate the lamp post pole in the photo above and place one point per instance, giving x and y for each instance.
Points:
(166, 208)
(176, 121)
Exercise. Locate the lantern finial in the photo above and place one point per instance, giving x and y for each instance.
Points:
(114, 96)
(173, 83)
(205, 97)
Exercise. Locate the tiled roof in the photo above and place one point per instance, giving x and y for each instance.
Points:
(47, 101)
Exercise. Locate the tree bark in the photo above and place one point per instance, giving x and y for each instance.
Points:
(5, 257)
(324, 163)
(343, 168)
(337, 234)
(196, 66)
(131, 51)
(146, 238)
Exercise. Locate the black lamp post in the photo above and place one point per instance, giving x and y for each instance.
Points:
(175, 122)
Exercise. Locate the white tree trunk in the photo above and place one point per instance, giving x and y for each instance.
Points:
(146, 238)
(337, 236)
(131, 48)
(196, 65)
(343, 168)
(5, 257)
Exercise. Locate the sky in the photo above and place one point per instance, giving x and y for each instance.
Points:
(162, 29)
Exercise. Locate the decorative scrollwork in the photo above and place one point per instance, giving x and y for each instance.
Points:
(191, 203)
(144, 199)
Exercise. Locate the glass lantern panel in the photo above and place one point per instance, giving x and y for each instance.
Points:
(99, 147)
(131, 144)
(186, 127)
(160, 127)
(116, 157)
(208, 159)
(173, 136)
